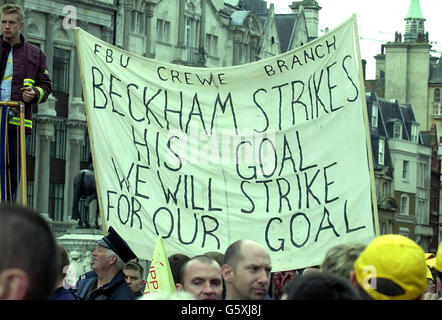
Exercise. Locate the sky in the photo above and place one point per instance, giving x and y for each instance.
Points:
(377, 20)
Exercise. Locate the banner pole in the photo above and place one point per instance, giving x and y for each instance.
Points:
(367, 129)
(80, 62)
(24, 186)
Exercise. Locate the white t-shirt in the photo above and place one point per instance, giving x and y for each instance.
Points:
(6, 83)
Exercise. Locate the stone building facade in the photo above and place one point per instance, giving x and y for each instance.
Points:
(402, 162)
(198, 33)
(207, 33)
(407, 72)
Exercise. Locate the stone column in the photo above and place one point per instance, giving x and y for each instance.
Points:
(202, 35)
(46, 120)
(127, 22)
(236, 50)
(253, 48)
(148, 31)
(181, 26)
(49, 46)
(76, 128)
(76, 132)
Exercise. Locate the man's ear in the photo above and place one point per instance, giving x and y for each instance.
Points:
(353, 280)
(179, 287)
(113, 259)
(227, 273)
(14, 284)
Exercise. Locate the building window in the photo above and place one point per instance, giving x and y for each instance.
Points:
(30, 148)
(56, 198)
(397, 131)
(86, 149)
(212, 45)
(384, 189)
(381, 152)
(60, 77)
(383, 228)
(30, 192)
(414, 132)
(404, 205)
(374, 116)
(405, 169)
(137, 22)
(421, 217)
(163, 31)
(437, 95)
(422, 177)
(58, 146)
(191, 38)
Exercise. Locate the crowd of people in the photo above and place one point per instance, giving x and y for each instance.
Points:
(33, 266)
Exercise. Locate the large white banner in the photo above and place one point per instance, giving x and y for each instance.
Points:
(273, 150)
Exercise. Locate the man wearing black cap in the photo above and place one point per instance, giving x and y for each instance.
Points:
(107, 282)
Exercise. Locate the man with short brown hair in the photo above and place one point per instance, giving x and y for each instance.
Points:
(28, 256)
(134, 276)
(201, 276)
(24, 76)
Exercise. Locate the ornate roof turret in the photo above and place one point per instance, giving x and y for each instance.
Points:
(414, 27)
(414, 12)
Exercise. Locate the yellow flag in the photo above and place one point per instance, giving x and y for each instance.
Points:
(160, 277)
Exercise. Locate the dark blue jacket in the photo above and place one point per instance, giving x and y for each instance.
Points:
(63, 294)
(117, 289)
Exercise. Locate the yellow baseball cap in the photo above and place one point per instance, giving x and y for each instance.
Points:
(430, 259)
(395, 258)
(438, 262)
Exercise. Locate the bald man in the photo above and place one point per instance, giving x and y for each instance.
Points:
(246, 271)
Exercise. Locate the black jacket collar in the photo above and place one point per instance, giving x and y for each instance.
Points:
(6, 44)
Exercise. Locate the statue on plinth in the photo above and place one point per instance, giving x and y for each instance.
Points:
(85, 188)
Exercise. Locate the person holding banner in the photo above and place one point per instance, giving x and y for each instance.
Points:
(246, 271)
(24, 77)
(201, 276)
(108, 282)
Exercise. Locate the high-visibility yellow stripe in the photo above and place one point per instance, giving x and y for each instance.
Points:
(40, 90)
(28, 80)
(16, 121)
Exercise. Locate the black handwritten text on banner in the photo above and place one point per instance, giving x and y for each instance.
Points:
(273, 150)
